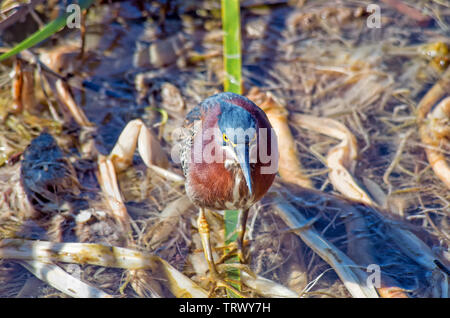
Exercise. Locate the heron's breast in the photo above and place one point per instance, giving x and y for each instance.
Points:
(215, 187)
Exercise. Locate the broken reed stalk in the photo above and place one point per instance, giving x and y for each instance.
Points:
(100, 255)
(57, 278)
(340, 157)
(267, 287)
(350, 273)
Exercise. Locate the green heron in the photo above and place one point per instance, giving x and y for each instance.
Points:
(229, 159)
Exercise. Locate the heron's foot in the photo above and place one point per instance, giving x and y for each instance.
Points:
(221, 274)
(232, 250)
(217, 281)
(224, 267)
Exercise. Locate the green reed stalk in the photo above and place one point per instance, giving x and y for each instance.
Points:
(231, 26)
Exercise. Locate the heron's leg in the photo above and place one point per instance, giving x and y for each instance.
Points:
(203, 229)
(241, 227)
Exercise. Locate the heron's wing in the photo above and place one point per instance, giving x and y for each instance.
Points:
(193, 115)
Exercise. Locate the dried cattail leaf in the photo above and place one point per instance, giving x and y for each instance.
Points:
(136, 133)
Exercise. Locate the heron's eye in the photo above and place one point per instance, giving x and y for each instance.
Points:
(227, 140)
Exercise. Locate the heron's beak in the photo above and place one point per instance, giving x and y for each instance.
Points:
(243, 155)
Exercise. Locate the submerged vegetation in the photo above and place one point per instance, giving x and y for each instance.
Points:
(89, 127)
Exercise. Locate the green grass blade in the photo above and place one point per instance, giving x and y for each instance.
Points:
(44, 33)
(232, 83)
